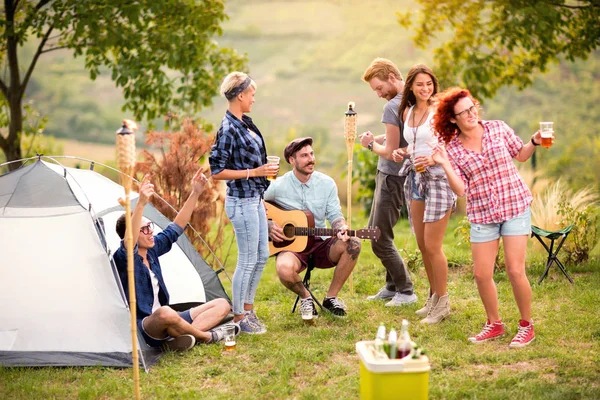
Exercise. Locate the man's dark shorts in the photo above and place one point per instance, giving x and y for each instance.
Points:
(320, 252)
(153, 342)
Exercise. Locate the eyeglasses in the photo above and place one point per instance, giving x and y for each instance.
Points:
(471, 110)
(147, 229)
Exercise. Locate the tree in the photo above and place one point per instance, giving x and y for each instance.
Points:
(504, 42)
(160, 52)
(176, 156)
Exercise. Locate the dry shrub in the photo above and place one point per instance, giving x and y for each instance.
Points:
(175, 159)
(546, 204)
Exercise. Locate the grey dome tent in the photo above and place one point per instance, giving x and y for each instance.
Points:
(62, 300)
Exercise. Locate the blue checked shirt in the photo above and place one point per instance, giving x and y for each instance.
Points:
(236, 149)
(163, 242)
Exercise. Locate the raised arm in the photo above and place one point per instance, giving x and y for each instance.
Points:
(146, 192)
(198, 184)
(392, 141)
(529, 147)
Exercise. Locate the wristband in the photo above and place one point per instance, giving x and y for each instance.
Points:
(533, 142)
(370, 145)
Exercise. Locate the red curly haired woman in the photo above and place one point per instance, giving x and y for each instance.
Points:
(478, 160)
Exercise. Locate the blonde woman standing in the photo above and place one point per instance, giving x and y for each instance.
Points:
(239, 156)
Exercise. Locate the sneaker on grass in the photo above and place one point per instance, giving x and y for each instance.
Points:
(218, 332)
(490, 331)
(180, 343)
(308, 303)
(383, 294)
(335, 306)
(524, 336)
(247, 325)
(400, 299)
(254, 318)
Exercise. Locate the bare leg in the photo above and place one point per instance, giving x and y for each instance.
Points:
(433, 236)
(345, 254)
(484, 256)
(514, 255)
(417, 211)
(166, 322)
(208, 315)
(287, 266)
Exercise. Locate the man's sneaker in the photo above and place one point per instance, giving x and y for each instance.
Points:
(383, 294)
(524, 336)
(400, 299)
(490, 331)
(218, 332)
(254, 318)
(247, 325)
(180, 343)
(308, 303)
(335, 306)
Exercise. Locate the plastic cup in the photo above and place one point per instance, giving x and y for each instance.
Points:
(272, 160)
(229, 338)
(547, 132)
(419, 168)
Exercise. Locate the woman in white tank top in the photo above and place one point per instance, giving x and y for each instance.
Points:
(427, 192)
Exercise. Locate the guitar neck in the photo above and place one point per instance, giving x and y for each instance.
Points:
(321, 232)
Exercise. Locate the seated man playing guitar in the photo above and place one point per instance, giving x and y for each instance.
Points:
(303, 188)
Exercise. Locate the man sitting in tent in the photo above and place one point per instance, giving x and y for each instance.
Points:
(160, 325)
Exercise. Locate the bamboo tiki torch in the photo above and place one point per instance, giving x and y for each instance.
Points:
(126, 158)
(350, 136)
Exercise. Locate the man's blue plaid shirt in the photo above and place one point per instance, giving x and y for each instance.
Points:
(236, 149)
(163, 242)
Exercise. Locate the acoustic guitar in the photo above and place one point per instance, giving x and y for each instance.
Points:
(299, 229)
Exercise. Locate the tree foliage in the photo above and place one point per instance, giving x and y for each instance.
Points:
(504, 42)
(160, 53)
(175, 159)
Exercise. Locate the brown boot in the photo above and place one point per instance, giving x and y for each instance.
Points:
(439, 311)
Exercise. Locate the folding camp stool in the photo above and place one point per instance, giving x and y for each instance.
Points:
(552, 258)
(306, 283)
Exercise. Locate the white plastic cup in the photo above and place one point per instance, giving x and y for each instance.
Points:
(229, 338)
(272, 160)
(547, 132)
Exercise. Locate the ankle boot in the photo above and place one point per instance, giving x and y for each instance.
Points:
(439, 311)
(422, 312)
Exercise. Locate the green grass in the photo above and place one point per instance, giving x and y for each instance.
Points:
(293, 361)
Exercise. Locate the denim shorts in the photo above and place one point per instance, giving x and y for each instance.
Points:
(154, 342)
(415, 194)
(519, 225)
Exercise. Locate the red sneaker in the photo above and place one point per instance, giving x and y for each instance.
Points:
(490, 331)
(524, 336)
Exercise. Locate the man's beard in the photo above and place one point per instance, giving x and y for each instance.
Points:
(304, 171)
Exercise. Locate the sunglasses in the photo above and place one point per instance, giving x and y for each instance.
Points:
(147, 229)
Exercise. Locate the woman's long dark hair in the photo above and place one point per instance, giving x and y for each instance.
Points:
(408, 97)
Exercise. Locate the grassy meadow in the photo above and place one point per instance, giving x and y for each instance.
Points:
(293, 361)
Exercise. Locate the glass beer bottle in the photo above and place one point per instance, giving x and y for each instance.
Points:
(404, 342)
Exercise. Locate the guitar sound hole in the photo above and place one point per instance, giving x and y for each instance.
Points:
(288, 231)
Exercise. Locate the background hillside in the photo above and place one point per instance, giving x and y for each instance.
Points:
(307, 58)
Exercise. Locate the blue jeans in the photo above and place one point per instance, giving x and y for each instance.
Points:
(249, 222)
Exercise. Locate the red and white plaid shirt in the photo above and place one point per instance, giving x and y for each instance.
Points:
(495, 191)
